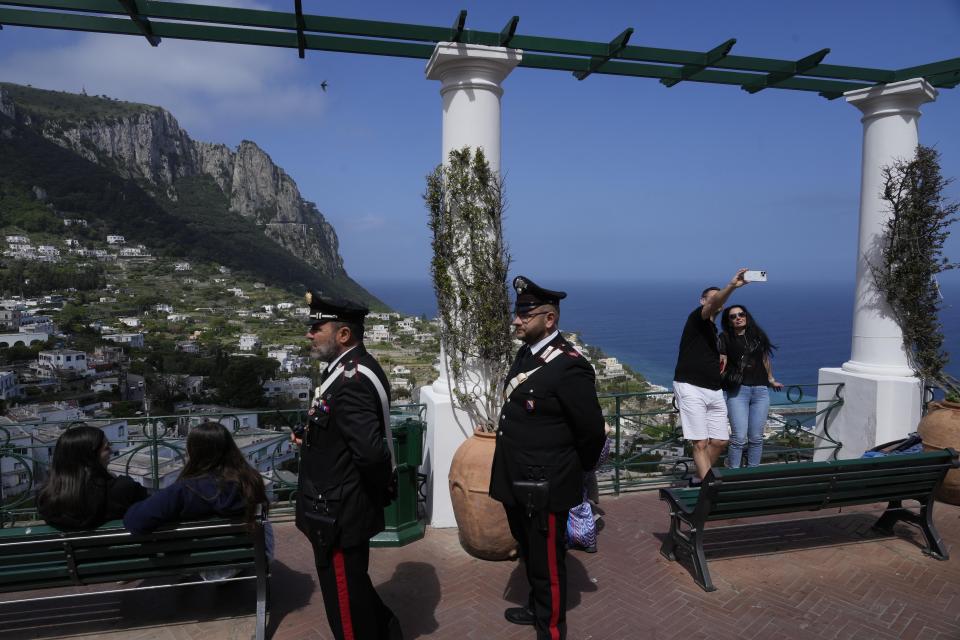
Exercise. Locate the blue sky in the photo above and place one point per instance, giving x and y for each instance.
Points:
(610, 178)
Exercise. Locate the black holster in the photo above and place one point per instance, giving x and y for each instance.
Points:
(533, 496)
(321, 519)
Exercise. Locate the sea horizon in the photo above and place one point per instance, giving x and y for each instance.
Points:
(640, 322)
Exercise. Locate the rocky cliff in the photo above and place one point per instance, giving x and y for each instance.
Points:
(146, 144)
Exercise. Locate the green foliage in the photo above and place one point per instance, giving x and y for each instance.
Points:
(20, 209)
(70, 107)
(912, 257)
(469, 268)
(240, 385)
(73, 319)
(18, 277)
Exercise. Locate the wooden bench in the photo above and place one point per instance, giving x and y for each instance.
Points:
(40, 557)
(807, 486)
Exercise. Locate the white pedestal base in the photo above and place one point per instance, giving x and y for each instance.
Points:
(875, 410)
(446, 431)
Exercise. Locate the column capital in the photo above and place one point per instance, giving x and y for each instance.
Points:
(894, 98)
(471, 66)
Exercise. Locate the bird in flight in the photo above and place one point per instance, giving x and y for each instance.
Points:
(323, 85)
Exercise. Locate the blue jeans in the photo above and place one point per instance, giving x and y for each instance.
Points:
(747, 409)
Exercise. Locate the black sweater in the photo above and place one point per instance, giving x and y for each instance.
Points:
(107, 499)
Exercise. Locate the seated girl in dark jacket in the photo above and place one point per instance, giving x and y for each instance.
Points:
(81, 493)
(216, 481)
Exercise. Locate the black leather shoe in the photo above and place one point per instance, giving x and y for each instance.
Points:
(519, 615)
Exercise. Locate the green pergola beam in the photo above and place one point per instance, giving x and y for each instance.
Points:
(276, 28)
(301, 27)
(456, 33)
(288, 39)
(507, 33)
(710, 59)
(391, 30)
(613, 50)
(143, 24)
(926, 70)
(800, 67)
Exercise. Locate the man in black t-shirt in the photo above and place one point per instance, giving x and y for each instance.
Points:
(696, 380)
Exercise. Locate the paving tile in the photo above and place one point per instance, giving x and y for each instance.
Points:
(811, 577)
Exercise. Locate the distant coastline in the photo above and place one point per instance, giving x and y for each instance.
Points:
(640, 323)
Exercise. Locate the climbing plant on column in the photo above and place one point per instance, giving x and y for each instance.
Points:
(466, 203)
(911, 258)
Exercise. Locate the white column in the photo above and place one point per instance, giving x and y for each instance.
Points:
(881, 396)
(890, 116)
(470, 77)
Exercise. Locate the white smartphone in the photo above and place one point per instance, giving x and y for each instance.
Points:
(755, 276)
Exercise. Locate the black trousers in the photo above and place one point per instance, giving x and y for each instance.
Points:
(354, 609)
(543, 546)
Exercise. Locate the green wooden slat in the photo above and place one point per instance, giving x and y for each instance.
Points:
(171, 547)
(924, 70)
(10, 561)
(822, 484)
(845, 495)
(711, 58)
(797, 469)
(37, 572)
(273, 28)
(862, 475)
(87, 570)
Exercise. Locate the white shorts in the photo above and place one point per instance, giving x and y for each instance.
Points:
(703, 412)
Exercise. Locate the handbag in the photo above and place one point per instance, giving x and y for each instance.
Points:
(732, 377)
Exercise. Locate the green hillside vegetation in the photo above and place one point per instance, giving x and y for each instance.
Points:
(199, 226)
(70, 107)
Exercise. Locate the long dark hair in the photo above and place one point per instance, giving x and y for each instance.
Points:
(211, 451)
(754, 333)
(78, 479)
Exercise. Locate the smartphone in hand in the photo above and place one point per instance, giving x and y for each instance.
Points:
(755, 276)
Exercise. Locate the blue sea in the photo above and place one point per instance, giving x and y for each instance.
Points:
(640, 323)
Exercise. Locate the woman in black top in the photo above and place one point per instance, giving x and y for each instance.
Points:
(81, 493)
(744, 345)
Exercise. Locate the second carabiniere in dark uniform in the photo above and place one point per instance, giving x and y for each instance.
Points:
(551, 430)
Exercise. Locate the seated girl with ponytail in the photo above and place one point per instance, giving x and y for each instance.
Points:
(216, 481)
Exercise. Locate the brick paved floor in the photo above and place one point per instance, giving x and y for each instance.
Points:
(825, 576)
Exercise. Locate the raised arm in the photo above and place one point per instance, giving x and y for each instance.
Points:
(713, 306)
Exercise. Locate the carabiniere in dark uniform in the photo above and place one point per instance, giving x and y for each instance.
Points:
(346, 471)
(551, 430)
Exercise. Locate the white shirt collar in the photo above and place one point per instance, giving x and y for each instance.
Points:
(333, 365)
(535, 349)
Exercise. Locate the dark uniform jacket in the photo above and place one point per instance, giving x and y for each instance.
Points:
(344, 461)
(551, 427)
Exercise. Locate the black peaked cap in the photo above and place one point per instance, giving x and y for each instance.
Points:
(323, 309)
(531, 295)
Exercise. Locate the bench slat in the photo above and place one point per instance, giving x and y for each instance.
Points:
(153, 548)
(846, 498)
(734, 477)
(821, 488)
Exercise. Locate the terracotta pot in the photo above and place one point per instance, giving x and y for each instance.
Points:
(940, 429)
(481, 520)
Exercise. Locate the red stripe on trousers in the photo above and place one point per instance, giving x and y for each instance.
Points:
(343, 594)
(554, 577)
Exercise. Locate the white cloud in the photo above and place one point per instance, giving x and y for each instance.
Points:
(202, 84)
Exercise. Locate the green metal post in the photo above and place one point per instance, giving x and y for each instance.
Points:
(403, 523)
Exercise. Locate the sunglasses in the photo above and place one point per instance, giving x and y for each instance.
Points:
(737, 315)
(524, 317)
